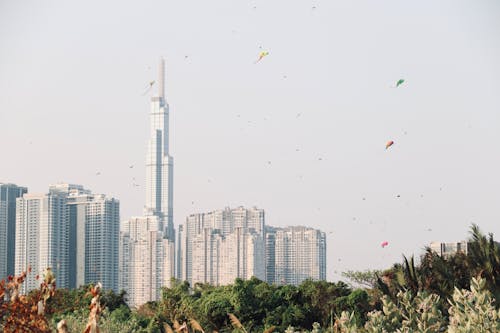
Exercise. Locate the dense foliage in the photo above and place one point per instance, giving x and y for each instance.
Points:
(437, 294)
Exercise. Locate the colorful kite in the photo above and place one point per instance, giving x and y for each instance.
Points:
(261, 56)
(384, 244)
(400, 82)
(388, 144)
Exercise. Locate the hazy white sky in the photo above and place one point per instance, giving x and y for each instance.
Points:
(72, 74)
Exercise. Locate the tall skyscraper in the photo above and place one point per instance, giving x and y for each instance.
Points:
(219, 246)
(299, 254)
(159, 163)
(147, 244)
(42, 237)
(8, 195)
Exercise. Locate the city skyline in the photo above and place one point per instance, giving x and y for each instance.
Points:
(301, 133)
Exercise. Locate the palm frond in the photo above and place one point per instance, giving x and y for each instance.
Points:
(236, 322)
(196, 326)
(167, 328)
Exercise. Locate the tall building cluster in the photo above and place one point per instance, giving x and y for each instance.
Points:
(79, 236)
(222, 245)
(219, 246)
(70, 230)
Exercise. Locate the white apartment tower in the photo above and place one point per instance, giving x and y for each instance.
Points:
(299, 254)
(144, 259)
(42, 237)
(219, 246)
(8, 195)
(94, 235)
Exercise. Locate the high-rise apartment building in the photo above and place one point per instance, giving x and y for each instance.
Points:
(242, 255)
(299, 254)
(94, 237)
(42, 237)
(270, 244)
(72, 231)
(144, 259)
(219, 246)
(8, 195)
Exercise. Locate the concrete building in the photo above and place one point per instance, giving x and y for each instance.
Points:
(94, 238)
(8, 195)
(242, 255)
(219, 246)
(147, 244)
(159, 163)
(42, 237)
(270, 258)
(448, 249)
(144, 259)
(299, 254)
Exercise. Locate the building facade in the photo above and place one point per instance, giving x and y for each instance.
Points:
(147, 243)
(219, 246)
(8, 195)
(159, 163)
(42, 237)
(449, 249)
(72, 231)
(94, 237)
(145, 259)
(299, 254)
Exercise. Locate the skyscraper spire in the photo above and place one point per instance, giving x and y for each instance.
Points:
(161, 79)
(159, 163)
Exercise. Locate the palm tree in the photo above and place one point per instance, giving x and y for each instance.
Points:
(484, 257)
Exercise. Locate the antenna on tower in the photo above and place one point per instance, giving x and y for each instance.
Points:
(161, 78)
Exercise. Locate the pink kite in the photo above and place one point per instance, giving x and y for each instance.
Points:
(388, 144)
(384, 243)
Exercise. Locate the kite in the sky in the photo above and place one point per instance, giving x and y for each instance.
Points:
(400, 82)
(388, 144)
(262, 54)
(150, 85)
(384, 244)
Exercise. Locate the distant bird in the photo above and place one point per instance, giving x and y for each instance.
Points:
(429, 229)
(185, 57)
(364, 199)
(97, 173)
(192, 202)
(269, 162)
(320, 159)
(150, 85)
(313, 7)
(398, 196)
(297, 149)
(130, 166)
(284, 76)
